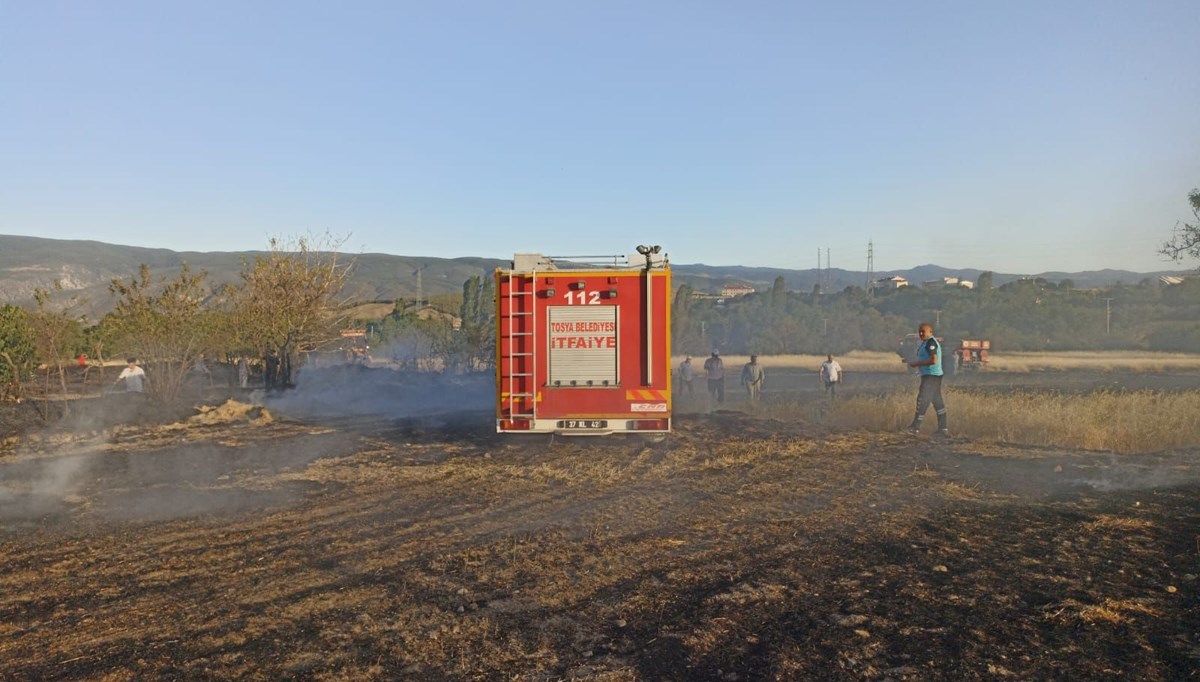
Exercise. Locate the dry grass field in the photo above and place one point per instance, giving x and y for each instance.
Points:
(1140, 421)
(802, 540)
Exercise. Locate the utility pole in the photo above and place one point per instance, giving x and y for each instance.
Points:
(825, 331)
(826, 265)
(870, 268)
(420, 288)
(1108, 316)
(818, 270)
(937, 318)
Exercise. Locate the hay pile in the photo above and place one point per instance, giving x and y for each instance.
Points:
(228, 412)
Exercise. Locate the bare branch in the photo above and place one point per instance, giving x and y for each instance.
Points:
(1186, 238)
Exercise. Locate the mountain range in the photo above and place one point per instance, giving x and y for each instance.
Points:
(85, 268)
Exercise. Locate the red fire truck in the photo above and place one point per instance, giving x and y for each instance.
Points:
(583, 344)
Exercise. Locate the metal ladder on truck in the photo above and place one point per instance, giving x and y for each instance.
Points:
(517, 360)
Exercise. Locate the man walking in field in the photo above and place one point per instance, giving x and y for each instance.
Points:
(686, 375)
(752, 378)
(714, 371)
(134, 377)
(929, 363)
(831, 375)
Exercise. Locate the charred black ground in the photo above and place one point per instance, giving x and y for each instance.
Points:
(241, 546)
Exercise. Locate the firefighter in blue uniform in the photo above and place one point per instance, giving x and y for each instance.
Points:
(929, 363)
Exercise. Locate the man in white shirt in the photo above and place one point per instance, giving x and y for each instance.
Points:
(686, 374)
(753, 377)
(134, 377)
(714, 372)
(831, 375)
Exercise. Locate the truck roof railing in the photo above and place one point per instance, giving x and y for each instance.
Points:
(536, 261)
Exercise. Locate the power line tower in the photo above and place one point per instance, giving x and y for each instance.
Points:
(870, 268)
(818, 286)
(420, 287)
(827, 275)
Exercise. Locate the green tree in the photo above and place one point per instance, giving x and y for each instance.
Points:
(18, 358)
(288, 299)
(56, 333)
(985, 283)
(162, 323)
(778, 293)
(477, 328)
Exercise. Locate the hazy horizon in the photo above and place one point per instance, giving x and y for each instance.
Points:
(799, 267)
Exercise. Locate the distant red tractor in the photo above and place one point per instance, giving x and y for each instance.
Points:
(969, 354)
(972, 354)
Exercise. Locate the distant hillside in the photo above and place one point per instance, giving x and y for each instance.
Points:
(85, 269)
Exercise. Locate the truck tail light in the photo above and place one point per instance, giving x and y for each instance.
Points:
(515, 425)
(648, 424)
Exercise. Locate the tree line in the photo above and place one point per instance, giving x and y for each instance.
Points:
(287, 304)
(1024, 315)
(278, 307)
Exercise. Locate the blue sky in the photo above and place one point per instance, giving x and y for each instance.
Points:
(1020, 137)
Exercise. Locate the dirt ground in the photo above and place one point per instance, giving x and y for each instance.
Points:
(142, 543)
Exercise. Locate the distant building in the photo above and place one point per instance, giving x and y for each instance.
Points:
(939, 283)
(891, 282)
(1168, 280)
(736, 289)
(948, 282)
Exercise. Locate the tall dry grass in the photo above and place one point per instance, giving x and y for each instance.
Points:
(1103, 361)
(1135, 422)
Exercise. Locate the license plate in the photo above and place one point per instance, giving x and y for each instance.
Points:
(583, 424)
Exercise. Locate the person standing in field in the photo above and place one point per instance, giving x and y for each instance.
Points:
(133, 376)
(831, 375)
(686, 375)
(714, 371)
(200, 367)
(753, 377)
(270, 370)
(929, 363)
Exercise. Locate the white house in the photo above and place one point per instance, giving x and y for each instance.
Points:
(891, 282)
(736, 289)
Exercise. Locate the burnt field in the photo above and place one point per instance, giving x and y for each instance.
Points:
(312, 541)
